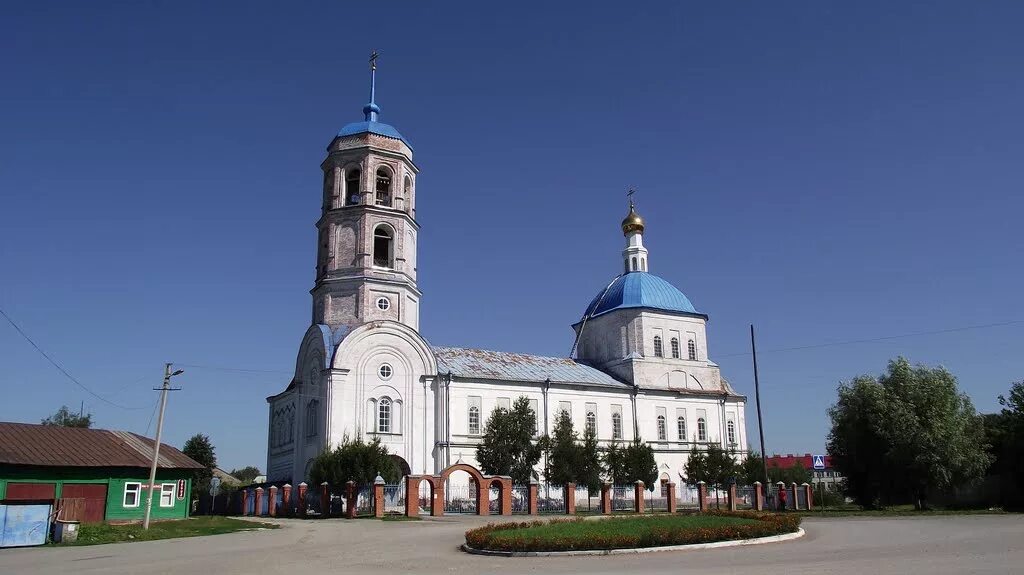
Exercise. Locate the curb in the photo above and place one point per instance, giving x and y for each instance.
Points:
(697, 546)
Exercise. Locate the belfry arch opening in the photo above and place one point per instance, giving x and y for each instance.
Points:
(352, 187)
(383, 247)
(383, 187)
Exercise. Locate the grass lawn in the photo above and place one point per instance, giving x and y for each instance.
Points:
(629, 532)
(95, 533)
(607, 528)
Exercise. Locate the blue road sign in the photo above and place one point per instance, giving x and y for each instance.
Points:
(819, 462)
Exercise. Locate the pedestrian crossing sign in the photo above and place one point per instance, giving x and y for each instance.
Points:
(819, 462)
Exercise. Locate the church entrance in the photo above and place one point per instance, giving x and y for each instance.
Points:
(402, 465)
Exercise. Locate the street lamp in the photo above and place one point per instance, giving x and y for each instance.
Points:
(156, 444)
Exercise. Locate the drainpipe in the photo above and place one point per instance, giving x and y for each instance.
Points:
(632, 399)
(546, 388)
(448, 421)
(423, 466)
(721, 422)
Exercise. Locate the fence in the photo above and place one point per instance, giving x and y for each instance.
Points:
(460, 499)
(656, 503)
(623, 498)
(394, 498)
(550, 498)
(745, 497)
(520, 499)
(686, 497)
(587, 501)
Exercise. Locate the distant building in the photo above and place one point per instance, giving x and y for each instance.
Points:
(93, 475)
(828, 478)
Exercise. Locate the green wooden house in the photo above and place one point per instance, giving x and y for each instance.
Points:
(92, 475)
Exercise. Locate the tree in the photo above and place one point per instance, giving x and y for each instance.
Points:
(615, 464)
(563, 452)
(507, 446)
(905, 434)
(751, 469)
(696, 468)
(246, 474)
(65, 418)
(640, 464)
(353, 460)
(1004, 432)
(199, 448)
(589, 468)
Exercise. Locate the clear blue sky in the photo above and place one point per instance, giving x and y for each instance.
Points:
(826, 171)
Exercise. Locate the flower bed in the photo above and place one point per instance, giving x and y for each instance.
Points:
(629, 532)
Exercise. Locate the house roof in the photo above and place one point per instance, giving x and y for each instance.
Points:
(54, 446)
(506, 366)
(789, 460)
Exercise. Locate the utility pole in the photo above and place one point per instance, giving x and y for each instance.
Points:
(760, 421)
(156, 444)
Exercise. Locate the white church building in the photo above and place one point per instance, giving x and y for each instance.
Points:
(642, 367)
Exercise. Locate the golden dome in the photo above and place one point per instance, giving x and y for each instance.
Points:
(633, 222)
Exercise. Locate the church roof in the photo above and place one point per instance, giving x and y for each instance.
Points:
(640, 290)
(379, 128)
(501, 365)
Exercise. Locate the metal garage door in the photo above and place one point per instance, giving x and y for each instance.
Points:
(85, 502)
(30, 491)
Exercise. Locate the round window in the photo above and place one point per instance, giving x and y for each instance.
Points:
(383, 303)
(385, 371)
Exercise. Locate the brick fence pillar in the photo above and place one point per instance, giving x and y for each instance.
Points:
(245, 502)
(808, 496)
(531, 504)
(273, 501)
(792, 495)
(732, 496)
(570, 498)
(351, 498)
(286, 500)
(702, 496)
(378, 497)
(638, 496)
(670, 496)
(437, 501)
(758, 497)
(606, 498)
(258, 510)
(301, 508)
(412, 496)
(506, 497)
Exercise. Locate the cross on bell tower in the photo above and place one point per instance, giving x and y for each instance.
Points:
(367, 232)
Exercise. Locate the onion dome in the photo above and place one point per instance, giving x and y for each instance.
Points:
(633, 222)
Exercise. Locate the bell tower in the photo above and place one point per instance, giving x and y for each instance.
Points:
(367, 231)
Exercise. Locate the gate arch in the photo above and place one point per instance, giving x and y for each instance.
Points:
(437, 482)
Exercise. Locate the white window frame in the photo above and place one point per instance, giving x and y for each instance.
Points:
(384, 415)
(616, 425)
(702, 429)
(681, 427)
(383, 303)
(730, 430)
(662, 427)
(137, 491)
(168, 494)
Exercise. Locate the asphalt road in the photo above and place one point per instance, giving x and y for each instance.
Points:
(861, 546)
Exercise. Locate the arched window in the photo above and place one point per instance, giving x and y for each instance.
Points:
(383, 187)
(643, 264)
(383, 245)
(730, 430)
(658, 352)
(661, 427)
(681, 428)
(702, 429)
(691, 349)
(407, 190)
(675, 347)
(591, 423)
(633, 261)
(352, 195)
(474, 420)
(616, 426)
(311, 416)
(384, 416)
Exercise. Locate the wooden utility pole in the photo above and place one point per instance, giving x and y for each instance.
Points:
(156, 444)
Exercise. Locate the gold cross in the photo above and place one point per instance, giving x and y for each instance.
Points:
(373, 60)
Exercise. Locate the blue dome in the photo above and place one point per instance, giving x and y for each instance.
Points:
(640, 290)
(379, 128)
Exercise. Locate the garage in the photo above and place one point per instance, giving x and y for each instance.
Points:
(31, 491)
(85, 502)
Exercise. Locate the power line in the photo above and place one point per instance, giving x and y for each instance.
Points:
(58, 366)
(882, 338)
(238, 369)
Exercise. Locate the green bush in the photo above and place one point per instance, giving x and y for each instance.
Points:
(629, 532)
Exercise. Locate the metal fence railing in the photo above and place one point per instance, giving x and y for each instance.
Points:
(460, 499)
(587, 501)
(520, 499)
(686, 497)
(364, 501)
(623, 498)
(655, 502)
(550, 498)
(744, 497)
(394, 498)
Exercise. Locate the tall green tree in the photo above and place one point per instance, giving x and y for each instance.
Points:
(563, 452)
(589, 464)
(640, 464)
(353, 460)
(199, 448)
(751, 469)
(696, 468)
(906, 434)
(245, 474)
(66, 418)
(507, 446)
(1004, 432)
(615, 464)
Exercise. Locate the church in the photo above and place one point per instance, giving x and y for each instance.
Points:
(640, 368)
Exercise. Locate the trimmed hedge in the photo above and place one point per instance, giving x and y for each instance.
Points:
(659, 535)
